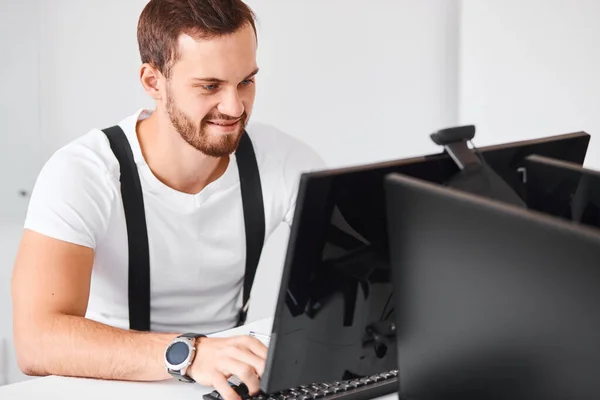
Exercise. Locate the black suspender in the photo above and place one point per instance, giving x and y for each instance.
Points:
(254, 215)
(137, 234)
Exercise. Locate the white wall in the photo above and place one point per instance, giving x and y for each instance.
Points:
(19, 106)
(90, 62)
(359, 81)
(19, 150)
(531, 68)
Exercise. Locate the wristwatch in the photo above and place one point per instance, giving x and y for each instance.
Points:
(179, 355)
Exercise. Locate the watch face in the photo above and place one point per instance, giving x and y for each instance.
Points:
(177, 353)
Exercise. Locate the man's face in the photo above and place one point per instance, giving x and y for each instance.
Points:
(211, 89)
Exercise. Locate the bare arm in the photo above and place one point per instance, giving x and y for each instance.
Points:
(50, 290)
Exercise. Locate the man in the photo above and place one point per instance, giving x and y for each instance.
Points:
(70, 278)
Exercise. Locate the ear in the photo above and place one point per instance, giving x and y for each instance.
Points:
(150, 77)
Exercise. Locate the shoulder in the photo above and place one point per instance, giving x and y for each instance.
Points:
(74, 191)
(87, 161)
(88, 154)
(283, 158)
(275, 148)
(91, 153)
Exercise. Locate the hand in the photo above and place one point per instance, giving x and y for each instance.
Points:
(217, 359)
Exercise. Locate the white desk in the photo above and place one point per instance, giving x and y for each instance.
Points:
(55, 387)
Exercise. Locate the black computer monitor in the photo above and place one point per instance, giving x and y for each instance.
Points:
(563, 189)
(332, 319)
(494, 301)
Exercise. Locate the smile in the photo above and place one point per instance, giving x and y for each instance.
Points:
(224, 123)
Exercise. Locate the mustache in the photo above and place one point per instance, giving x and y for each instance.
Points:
(224, 117)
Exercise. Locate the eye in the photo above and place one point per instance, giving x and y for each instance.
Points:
(247, 82)
(209, 87)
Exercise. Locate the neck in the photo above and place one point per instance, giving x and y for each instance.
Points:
(172, 160)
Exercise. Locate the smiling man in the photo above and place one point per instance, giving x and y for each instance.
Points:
(170, 193)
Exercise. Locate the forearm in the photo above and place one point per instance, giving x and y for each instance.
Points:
(74, 346)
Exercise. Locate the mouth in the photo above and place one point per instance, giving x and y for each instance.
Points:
(224, 124)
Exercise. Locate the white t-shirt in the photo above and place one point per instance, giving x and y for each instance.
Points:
(197, 241)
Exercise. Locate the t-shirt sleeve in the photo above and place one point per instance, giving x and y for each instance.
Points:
(72, 197)
(302, 158)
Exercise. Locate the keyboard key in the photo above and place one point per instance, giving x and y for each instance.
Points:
(286, 397)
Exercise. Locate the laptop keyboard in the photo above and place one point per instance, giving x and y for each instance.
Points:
(354, 389)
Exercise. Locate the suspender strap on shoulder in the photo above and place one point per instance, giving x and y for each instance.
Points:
(137, 234)
(254, 215)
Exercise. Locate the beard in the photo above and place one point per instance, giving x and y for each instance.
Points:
(198, 135)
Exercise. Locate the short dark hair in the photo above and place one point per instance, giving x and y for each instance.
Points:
(162, 21)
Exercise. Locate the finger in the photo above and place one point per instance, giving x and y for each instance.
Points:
(222, 386)
(254, 345)
(245, 372)
(244, 355)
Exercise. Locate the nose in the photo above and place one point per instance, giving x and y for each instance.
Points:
(231, 104)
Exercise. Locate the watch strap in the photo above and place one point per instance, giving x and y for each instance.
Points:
(182, 378)
(192, 335)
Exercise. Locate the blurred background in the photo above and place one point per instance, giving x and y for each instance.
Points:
(360, 81)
